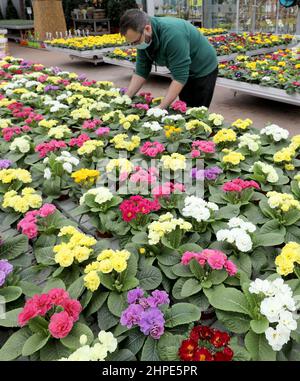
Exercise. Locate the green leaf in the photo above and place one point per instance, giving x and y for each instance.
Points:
(98, 299)
(190, 287)
(54, 283)
(13, 247)
(182, 271)
(181, 313)
(196, 269)
(106, 319)
(38, 324)
(11, 318)
(176, 291)
(121, 355)
(173, 239)
(10, 293)
(234, 322)
(45, 256)
(243, 264)
(150, 277)
(130, 283)
(141, 238)
(259, 326)
(76, 288)
(72, 340)
(190, 247)
(269, 239)
(54, 350)
(117, 303)
(29, 289)
(259, 348)
(240, 352)
(169, 257)
(34, 343)
(134, 341)
(12, 348)
(217, 276)
(168, 347)
(227, 299)
(150, 352)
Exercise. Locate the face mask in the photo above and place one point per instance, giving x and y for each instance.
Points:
(144, 45)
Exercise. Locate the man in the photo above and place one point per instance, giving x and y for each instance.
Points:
(177, 44)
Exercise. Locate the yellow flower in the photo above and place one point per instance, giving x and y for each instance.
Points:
(94, 266)
(233, 158)
(282, 201)
(92, 281)
(85, 176)
(285, 154)
(22, 203)
(119, 264)
(242, 124)
(175, 162)
(81, 253)
(48, 123)
(142, 250)
(198, 124)
(89, 146)
(121, 141)
(81, 113)
(106, 266)
(9, 175)
(289, 255)
(224, 135)
(289, 167)
(64, 258)
(123, 165)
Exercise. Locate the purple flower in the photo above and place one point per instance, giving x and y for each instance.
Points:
(5, 266)
(134, 295)
(212, 173)
(152, 323)
(4, 164)
(123, 90)
(131, 315)
(197, 174)
(5, 269)
(56, 70)
(158, 298)
(82, 77)
(51, 87)
(2, 278)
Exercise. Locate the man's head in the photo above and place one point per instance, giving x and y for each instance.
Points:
(135, 25)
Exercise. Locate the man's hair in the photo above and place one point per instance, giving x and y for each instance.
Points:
(134, 19)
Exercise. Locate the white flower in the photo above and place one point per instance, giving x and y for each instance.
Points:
(277, 337)
(276, 132)
(22, 144)
(217, 119)
(47, 174)
(251, 141)
(157, 112)
(154, 126)
(286, 319)
(266, 78)
(83, 339)
(198, 208)
(175, 117)
(194, 110)
(242, 240)
(259, 285)
(101, 194)
(68, 167)
(271, 307)
(268, 170)
(108, 340)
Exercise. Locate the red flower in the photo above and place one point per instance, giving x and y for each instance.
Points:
(220, 339)
(187, 350)
(225, 355)
(201, 332)
(203, 354)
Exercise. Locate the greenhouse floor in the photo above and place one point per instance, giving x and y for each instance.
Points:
(260, 110)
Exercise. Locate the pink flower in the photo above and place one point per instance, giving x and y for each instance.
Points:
(238, 185)
(29, 229)
(79, 141)
(201, 259)
(187, 257)
(195, 153)
(58, 296)
(204, 146)
(47, 209)
(230, 267)
(91, 124)
(179, 106)
(102, 131)
(152, 149)
(43, 303)
(141, 106)
(60, 325)
(72, 307)
(215, 258)
(29, 311)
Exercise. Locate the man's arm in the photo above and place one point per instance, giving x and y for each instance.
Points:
(172, 93)
(135, 85)
(143, 69)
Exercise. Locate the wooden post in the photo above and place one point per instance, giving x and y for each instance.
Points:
(48, 17)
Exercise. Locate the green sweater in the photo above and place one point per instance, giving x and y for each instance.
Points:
(177, 44)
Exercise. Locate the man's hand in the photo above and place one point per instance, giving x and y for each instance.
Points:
(172, 93)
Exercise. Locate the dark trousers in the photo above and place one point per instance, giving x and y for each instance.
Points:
(199, 91)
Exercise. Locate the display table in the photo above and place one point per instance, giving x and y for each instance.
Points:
(259, 91)
(93, 22)
(19, 26)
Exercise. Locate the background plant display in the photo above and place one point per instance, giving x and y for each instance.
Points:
(183, 276)
(280, 69)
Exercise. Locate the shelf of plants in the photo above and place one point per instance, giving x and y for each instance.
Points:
(195, 276)
(274, 76)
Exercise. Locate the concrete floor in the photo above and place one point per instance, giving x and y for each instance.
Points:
(260, 110)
